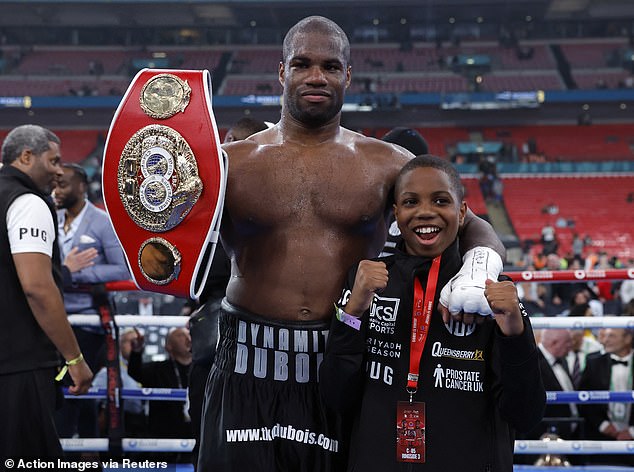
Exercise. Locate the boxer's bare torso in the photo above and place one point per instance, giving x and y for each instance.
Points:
(299, 212)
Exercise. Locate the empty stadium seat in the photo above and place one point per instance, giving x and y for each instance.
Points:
(597, 205)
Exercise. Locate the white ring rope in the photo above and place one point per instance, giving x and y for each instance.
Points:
(521, 446)
(186, 445)
(180, 394)
(582, 322)
(125, 321)
(538, 322)
(559, 446)
(129, 444)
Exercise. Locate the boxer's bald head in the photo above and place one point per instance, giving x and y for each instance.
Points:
(316, 24)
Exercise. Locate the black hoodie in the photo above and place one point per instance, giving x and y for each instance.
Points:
(478, 385)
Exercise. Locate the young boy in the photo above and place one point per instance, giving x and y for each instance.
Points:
(456, 406)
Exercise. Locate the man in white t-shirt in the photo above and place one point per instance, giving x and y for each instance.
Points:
(33, 322)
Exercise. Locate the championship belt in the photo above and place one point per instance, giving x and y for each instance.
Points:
(164, 177)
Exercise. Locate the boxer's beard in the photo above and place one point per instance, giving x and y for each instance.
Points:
(313, 115)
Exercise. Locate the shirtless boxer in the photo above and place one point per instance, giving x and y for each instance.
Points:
(306, 199)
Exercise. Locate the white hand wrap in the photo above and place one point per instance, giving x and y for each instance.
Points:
(465, 291)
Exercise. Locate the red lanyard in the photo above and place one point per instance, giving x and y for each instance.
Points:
(421, 318)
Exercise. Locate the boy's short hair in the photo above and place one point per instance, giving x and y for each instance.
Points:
(429, 160)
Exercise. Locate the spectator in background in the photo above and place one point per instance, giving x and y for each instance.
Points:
(529, 295)
(539, 260)
(490, 184)
(582, 344)
(146, 303)
(580, 309)
(626, 290)
(33, 323)
(577, 247)
(610, 421)
(167, 419)
(556, 293)
(605, 289)
(554, 346)
(135, 421)
(244, 128)
(550, 209)
(582, 295)
(549, 240)
(92, 255)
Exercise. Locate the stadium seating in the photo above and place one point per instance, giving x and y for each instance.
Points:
(596, 204)
(257, 60)
(598, 142)
(76, 61)
(423, 68)
(63, 86)
(473, 196)
(590, 53)
(590, 79)
(249, 84)
(573, 143)
(76, 144)
(515, 81)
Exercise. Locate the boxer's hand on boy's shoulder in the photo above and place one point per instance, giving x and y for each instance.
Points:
(371, 277)
(504, 302)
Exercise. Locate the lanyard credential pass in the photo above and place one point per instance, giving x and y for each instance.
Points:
(422, 310)
(410, 416)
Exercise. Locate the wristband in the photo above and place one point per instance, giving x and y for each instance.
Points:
(75, 361)
(347, 319)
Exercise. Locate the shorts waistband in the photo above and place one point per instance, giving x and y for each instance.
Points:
(254, 346)
(241, 313)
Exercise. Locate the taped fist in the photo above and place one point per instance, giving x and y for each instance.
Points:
(504, 302)
(371, 277)
(463, 296)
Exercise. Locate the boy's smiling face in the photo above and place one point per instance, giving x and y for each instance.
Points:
(428, 211)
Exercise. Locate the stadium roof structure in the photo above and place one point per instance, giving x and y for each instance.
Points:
(283, 13)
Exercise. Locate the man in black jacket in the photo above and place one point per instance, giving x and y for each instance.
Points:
(554, 346)
(610, 371)
(33, 322)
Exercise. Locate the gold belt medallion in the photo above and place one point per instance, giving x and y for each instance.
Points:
(158, 178)
(159, 261)
(164, 95)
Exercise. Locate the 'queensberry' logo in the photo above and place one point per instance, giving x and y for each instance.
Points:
(439, 351)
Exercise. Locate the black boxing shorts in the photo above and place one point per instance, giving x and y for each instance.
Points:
(164, 177)
(262, 406)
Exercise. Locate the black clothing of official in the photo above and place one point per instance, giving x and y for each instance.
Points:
(28, 358)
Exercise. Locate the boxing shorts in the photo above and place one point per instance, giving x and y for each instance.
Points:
(262, 407)
(164, 177)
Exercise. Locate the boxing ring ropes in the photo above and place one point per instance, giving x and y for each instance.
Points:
(540, 447)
